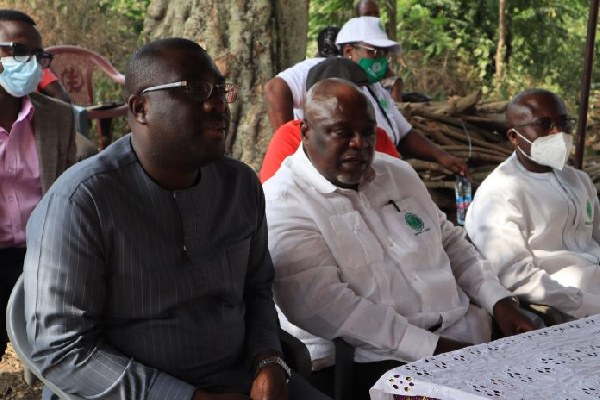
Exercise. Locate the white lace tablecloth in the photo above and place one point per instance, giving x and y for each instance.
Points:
(560, 362)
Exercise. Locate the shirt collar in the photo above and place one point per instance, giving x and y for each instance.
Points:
(25, 113)
(26, 110)
(525, 171)
(304, 168)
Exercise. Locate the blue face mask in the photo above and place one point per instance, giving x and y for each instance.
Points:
(20, 78)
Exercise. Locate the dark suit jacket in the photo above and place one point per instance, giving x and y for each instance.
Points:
(54, 127)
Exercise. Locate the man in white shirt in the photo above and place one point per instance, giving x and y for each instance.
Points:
(361, 251)
(536, 219)
(365, 42)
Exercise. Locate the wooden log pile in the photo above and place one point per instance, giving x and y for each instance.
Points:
(470, 128)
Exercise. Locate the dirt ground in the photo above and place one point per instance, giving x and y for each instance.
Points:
(12, 384)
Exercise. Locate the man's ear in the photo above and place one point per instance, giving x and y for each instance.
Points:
(512, 136)
(138, 107)
(347, 50)
(303, 131)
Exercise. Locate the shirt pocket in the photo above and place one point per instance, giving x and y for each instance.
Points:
(356, 244)
(411, 225)
(237, 258)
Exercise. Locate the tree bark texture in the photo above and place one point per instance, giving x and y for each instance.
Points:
(501, 42)
(250, 41)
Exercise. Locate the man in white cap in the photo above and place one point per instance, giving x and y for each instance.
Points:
(364, 41)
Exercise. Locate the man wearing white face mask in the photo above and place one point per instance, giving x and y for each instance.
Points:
(537, 219)
(37, 143)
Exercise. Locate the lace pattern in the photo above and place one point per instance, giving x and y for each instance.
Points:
(559, 362)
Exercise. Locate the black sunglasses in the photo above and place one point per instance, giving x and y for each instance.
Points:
(21, 53)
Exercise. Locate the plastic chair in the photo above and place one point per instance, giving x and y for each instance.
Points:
(295, 354)
(75, 67)
(15, 327)
(344, 369)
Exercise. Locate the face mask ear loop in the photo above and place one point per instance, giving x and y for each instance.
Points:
(468, 137)
(521, 136)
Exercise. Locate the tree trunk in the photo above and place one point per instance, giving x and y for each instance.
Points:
(501, 42)
(250, 41)
(390, 26)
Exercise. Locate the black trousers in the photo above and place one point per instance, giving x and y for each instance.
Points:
(11, 267)
(364, 377)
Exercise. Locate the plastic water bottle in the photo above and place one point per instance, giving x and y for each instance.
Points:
(463, 198)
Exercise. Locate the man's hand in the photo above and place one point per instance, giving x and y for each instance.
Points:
(270, 384)
(445, 345)
(510, 319)
(454, 164)
(200, 395)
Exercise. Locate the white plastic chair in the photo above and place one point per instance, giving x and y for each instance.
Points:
(15, 327)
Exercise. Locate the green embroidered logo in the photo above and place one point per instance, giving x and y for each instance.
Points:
(590, 214)
(415, 223)
(384, 104)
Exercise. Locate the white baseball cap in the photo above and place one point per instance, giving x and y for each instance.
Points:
(368, 30)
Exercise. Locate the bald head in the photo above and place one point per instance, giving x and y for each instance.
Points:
(332, 94)
(525, 104)
(147, 65)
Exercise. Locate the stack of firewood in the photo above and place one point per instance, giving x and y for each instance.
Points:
(466, 127)
(472, 129)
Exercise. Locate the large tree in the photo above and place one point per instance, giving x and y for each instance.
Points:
(250, 41)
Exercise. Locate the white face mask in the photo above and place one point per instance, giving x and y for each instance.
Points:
(552, 150)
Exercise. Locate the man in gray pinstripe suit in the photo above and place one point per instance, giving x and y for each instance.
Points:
(147, 274)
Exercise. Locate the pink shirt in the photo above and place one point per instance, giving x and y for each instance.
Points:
(20, 185)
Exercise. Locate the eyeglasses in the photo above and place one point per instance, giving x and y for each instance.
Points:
(545, 125)
(375, 53)
(199, 90)
(21, 53)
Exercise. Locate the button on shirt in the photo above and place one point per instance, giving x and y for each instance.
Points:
(381, 267)
(542, 233)
(20, 186)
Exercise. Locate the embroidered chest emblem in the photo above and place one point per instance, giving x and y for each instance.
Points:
(590, 214)
(383, 102)
(415, 223)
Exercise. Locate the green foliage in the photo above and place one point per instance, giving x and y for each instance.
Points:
(326, 13)
(450, 45)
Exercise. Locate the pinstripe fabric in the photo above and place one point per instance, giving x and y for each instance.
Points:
(134, 291)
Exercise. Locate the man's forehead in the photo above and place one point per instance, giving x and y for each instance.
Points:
(340, 109)
(543, 102)
(190, 65)
(20, 32)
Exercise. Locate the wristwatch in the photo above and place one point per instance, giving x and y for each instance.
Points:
(274, 360)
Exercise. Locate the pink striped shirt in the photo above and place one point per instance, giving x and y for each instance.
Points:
(20, 186)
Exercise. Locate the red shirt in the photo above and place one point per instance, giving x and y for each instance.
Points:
(286, 140)
(47, 78)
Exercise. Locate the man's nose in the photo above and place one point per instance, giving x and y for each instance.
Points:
(214, 103)
(357, 140)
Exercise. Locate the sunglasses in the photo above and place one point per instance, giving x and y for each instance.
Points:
(21, 53)
(545, 125)
(371, 52)
(199, 90)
